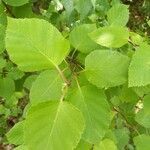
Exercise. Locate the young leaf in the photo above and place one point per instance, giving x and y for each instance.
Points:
(80, 39)
(15, 135)
(139, 69)
(110, 36)
(16, 2)
(105, 144)
(47, 124)
(41, 45)
(50, 84)
(92, 103)
(142, 142)
(118, 15)
(106, 68)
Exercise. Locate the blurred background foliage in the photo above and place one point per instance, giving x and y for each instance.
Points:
(65, 15)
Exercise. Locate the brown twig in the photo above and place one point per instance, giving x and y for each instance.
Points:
(124, 117)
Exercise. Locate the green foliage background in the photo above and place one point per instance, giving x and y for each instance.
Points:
(75, 74)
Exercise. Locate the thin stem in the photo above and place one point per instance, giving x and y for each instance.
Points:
(66, 83)
(62, 75)
(124, 117)
(76, 79)
(82, 71)
(64, 91)
(57, 68)
(73, 53)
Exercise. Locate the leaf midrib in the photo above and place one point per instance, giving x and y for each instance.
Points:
(53, 126)
(88, 112)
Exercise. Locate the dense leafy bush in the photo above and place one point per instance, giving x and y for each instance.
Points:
(75, 74)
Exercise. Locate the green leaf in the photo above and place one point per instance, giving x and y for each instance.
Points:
(103, 6)
(143, 116)
(142, 142)
(15, 74)
(68, 4)
(2, 63)
(15, 135)
(101, 70)
(136, 38)
(93, 3)
(105, 144)
(122, 137)
(7, 87)
(29, 81)
(83, 145)
(21, 147)
(111, 135)
(53, 126)
(4, 111)
(2, 37)
(83, 7)
(16, 2)
(12, 101)
(41, 45)
(115, 2)
(142, 90)
(118, 15)
(80, 39)
(3, 19)
(110, 36)
(128, 95)
(139, 69)
(24, 11)
(51, 85)
(148, 22)
(92, 103)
